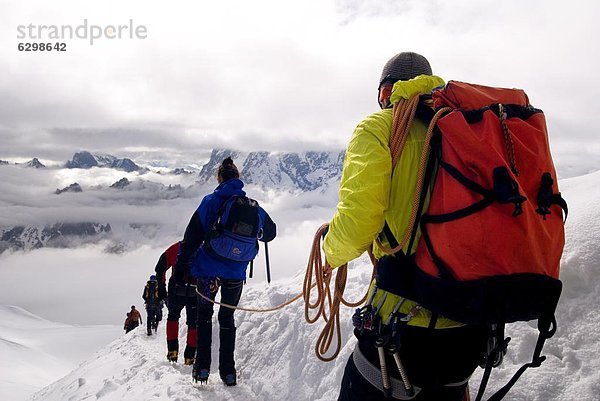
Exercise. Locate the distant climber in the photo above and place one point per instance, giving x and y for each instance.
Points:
(127, 324)
(153, 303)
(178, 296)
(135, 318)
(220, 241)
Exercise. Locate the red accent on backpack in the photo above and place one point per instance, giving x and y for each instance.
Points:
(461, 95)
(493, 234)
(491, 241)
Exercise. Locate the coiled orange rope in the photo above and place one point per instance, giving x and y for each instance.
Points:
(326, 305)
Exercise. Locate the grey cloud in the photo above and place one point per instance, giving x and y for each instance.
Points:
(273, 82)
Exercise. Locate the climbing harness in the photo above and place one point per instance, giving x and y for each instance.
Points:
(374, 375)
(386, 343)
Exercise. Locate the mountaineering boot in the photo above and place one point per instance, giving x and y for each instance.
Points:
(189, 361)
(230, 379)
(200, 375)
(149, 332)
(190, 354)
(172, 356)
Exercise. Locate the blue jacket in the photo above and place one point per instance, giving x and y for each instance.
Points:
(201, 261)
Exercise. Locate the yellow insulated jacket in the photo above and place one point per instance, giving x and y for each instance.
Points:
(371, 194)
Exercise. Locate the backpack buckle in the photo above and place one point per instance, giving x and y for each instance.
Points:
(544, 197)
(506, 190)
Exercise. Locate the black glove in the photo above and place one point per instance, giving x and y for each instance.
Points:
(180, 273)
(162, 291)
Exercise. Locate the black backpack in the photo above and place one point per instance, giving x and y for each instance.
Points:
(235, 232)
(151, 292)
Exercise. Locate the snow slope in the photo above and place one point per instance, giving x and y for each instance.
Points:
(36, 352)
(275, 351)
(274, 359)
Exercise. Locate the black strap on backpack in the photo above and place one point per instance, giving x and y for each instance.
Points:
(547, 329)
(424, 113)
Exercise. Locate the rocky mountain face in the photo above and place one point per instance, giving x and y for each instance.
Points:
(85, 159)
(304, 171)
(180, 171)
(122, 183)
(35, 163)
(74, 187)
(59, 235)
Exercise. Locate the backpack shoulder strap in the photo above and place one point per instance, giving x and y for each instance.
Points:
(219, 214)
(403, 115)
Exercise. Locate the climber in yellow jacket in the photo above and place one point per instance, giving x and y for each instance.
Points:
(437, 354)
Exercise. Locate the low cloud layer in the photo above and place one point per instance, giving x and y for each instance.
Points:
(144, 214)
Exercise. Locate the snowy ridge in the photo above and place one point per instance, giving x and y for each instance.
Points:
(274, 356)
(304, 171)
(56, 235)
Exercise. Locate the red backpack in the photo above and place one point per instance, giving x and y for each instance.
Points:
(493, 233)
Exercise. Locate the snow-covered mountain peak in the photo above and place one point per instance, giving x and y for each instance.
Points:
(35, 163)
(85, 159)
(302, 171)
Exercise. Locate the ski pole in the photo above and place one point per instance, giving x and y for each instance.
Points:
(268, 265)
(251, 268)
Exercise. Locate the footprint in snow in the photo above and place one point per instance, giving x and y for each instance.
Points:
(109, 387)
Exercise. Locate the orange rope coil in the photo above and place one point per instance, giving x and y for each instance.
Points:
(326, 305)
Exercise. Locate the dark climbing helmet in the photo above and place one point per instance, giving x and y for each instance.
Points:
(153, 278)
(404, 66)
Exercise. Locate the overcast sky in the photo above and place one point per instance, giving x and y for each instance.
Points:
(279, 75)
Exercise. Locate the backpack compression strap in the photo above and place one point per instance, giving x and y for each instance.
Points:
(547, 329)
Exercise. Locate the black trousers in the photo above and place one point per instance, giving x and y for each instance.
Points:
(179, 298)
(132, 325)
(231, 291)
(176, 303)
(154, 315)
(431, 358)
